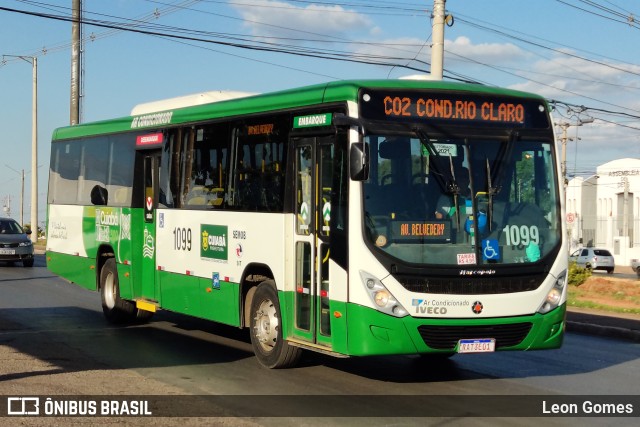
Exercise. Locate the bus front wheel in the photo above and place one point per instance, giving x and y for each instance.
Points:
(270, 348)
(115, 309)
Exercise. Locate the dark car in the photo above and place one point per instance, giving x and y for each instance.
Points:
(15, 244)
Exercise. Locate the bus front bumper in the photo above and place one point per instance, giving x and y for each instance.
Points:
(373, 333)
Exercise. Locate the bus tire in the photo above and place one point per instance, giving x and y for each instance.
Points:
(142, 316)
(115, 309)
(271, 350)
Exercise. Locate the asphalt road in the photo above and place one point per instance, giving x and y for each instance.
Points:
(54, 340)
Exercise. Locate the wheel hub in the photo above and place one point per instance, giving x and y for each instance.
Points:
(266, 325)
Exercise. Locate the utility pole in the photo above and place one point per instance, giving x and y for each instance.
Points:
(563, 139)
(437, 34)
(74, 117)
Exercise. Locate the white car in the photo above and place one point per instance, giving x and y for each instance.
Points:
(635, 263)
(594, 259)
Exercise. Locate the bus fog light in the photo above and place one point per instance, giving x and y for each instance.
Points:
(381, 298)
(399, 311)
(371, 283)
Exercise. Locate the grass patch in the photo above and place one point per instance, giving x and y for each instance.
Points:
(621, 302)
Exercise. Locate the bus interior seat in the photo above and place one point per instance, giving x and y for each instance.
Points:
(215, 196)
(122, 196)
(196, 201)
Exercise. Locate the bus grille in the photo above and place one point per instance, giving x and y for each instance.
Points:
(471, 285)
(447, 337)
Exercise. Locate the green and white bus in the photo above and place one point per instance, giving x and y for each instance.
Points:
(354, 218)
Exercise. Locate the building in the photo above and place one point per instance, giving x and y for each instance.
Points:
(603, 210)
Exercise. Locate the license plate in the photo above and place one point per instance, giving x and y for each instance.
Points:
(481, 345)
(7, 251)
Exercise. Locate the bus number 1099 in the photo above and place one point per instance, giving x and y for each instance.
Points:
(182, 239)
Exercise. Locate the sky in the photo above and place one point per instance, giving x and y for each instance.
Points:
(583, 55)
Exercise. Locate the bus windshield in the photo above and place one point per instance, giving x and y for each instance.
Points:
(444, 201)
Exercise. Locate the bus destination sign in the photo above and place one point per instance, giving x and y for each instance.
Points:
(452, 107)
(420, 231)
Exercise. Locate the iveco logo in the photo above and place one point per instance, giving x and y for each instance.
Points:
(477, 307)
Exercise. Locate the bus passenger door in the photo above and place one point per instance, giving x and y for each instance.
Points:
(148, 248)
(314, 177)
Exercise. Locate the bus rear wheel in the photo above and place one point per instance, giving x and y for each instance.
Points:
(271, 350)
(116, 310)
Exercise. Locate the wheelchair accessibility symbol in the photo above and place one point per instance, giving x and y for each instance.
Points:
(490, 249)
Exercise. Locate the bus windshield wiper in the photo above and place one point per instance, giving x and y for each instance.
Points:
(495, 177)
(450, 186)
(503, 155)
(490, 193)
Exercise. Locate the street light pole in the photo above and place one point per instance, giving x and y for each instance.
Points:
(34, 155)
(21, 193)
(34, 146)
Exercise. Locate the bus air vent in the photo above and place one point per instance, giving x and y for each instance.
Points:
(471, 285)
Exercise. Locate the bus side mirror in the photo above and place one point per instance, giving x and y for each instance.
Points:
(359, 161)
(359, 155)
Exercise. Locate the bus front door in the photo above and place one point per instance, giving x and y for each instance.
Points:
(314, 177)
(148, 247)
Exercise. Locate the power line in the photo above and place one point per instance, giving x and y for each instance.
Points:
(541, 46)
(622, 9)
(171, 8)
(627, 19)
(254, 43)
(260, 46)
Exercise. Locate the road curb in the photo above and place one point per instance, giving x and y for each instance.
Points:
(604, 331)
(604, 324)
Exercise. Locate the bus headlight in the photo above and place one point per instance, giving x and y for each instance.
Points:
(382, 299)
(554, 297)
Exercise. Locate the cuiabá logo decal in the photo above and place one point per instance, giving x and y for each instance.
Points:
(214, 241)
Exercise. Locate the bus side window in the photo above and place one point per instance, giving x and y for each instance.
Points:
(258, 176)
(167, 196)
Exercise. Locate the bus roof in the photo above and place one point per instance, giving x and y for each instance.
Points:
(187, 101)
(149, 117)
